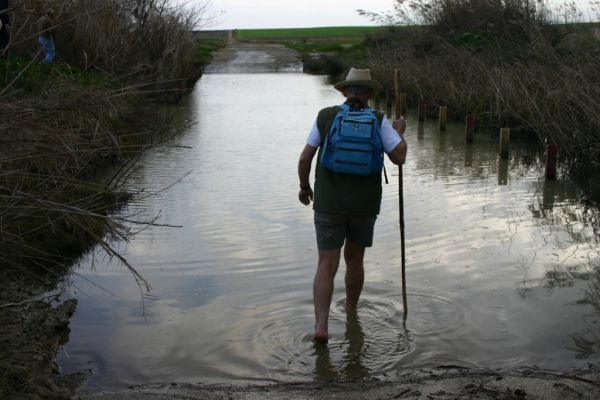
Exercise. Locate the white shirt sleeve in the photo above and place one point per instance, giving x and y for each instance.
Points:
(314, 137)
(389, 137)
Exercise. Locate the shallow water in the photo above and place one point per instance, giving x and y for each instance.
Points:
(501, 267)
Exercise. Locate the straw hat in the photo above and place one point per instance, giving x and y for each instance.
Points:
(358, 77)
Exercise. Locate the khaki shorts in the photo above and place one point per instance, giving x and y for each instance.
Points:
(333, 229)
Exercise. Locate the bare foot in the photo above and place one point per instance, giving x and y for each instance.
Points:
(321, 334)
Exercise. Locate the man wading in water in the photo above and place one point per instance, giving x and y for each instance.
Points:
(346, 204)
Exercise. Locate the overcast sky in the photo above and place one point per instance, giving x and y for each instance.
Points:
(248, 14)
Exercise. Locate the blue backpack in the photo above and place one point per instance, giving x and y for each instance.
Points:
(353, 144)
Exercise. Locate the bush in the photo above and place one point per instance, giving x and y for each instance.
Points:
(544, 84)
(140, 41)
(60, 124)
(452, 19)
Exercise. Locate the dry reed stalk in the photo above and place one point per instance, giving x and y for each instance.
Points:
(50, 210)
(537, 89)
(153, 47)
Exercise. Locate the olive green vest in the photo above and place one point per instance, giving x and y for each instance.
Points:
(337, 193)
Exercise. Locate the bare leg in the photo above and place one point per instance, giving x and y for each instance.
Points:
(355, 273)
(329, 260)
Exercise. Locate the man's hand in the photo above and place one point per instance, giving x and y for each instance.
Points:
(399, 125)
(305, 196)
(398, 154)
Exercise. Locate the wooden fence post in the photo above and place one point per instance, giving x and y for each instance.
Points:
(470, 128)
(443, 117)
(551, 159)
(504, 140)
(421, 109)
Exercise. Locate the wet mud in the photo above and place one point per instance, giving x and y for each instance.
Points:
(432, 384)
(33, 329)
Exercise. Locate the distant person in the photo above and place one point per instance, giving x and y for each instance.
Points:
(346, 198)
(4, 25)
(46, 36)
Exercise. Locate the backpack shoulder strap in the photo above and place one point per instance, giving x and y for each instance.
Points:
(325, 119)
(379, 116)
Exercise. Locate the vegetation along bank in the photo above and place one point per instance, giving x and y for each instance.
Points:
(508, 63)
(517, 64)
(94, 107)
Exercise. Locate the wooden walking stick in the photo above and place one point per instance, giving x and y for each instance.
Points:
(401, 207)
(401, 201)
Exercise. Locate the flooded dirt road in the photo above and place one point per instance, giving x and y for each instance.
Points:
(502, 267)
(254, 58)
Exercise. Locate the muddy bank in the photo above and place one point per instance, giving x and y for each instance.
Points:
(54, 208)
(436, 384)
(94, 108)
(33, 331)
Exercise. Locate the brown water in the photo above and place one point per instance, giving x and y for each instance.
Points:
(501, 267)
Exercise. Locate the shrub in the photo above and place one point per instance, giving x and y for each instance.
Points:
(451, 19)
(140, 41)
(544, 83)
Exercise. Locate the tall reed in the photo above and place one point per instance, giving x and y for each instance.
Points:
(143, 42)
(61, 124)
(541, 79)
(50, 149)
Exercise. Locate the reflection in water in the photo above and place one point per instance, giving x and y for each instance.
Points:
(468, 155)
(548, 194)
(359, 350)
(578, 266)
(233, 286)
(352, 367)
(558, 205)
(324, 368)
(585, 344)
(355, 338)
(502, 171)
(421, 131)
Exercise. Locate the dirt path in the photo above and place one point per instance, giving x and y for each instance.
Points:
(435, 384)
(254, 57)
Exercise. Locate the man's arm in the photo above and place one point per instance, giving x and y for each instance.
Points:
(398, 155)
(304, 164)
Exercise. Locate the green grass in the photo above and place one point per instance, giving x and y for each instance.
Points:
(33, 79)
(204, 48)
(307, 33)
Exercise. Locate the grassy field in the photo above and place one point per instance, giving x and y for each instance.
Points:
(350, 32)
